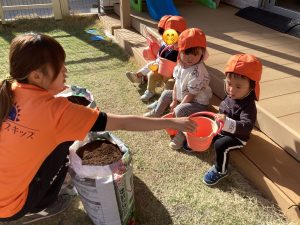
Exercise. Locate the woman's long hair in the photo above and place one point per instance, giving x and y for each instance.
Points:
(29, 52)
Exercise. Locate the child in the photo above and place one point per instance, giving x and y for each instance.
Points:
(140, 76)
(237, 111)
(191, 92)
(178, 24)
(38, 128)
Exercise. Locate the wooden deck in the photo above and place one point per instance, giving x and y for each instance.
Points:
(271, 160)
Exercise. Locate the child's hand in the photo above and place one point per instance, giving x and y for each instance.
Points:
(173, 105)
(185, 124)
(220, 117)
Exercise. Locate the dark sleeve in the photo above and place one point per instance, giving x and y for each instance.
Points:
(100, 123)
(171, 55)
(247, 120)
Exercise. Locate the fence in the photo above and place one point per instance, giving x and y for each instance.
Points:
(16, 9)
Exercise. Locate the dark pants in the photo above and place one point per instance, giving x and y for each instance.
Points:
(45, 186)
(223, 145)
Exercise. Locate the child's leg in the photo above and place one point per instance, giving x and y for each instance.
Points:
(153, 78)
(144, 70)
(169, 83)
(163, 103)
(183, 110)
(187, 109)
(223, 145)
(45, 186)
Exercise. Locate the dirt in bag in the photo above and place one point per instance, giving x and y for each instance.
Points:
(99, 153)
(79, 100)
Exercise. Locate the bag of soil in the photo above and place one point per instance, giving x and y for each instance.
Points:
(101, 170)
(78, 95)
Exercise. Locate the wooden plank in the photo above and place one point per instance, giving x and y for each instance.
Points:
(266, 185)
(56, 9)
(125, 14)
(64, 5)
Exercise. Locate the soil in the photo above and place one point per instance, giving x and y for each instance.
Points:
(79, 100)
(99, 153)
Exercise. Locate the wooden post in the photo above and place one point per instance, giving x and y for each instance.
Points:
(125, 14)
(56, 9)
(64, 5)
(2, 14)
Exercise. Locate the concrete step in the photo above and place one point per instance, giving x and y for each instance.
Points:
(272, 169)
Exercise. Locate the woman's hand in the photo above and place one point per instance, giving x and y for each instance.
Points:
(173, 105)
(220, 117)
(184, 124)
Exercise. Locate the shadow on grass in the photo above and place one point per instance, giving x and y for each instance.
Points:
(74, 26)
(149, 210)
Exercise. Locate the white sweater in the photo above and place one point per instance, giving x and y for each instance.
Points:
(193, 80)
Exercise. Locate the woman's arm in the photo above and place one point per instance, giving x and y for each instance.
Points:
(138, 123)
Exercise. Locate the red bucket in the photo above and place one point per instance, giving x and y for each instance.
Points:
(207, 128)
(166, 67)
(170, 131)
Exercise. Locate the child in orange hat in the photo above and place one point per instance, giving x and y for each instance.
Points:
(191, 92)
(237, 111)
(178, 24)
(140, 76)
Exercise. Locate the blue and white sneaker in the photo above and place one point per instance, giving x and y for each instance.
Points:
(212, 176)
(152, 105)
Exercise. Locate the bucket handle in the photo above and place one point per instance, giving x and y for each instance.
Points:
(211, 114)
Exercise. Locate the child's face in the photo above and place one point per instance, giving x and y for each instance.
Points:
(190, 59)
(237, 87)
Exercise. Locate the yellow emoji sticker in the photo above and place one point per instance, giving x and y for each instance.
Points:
(170, 37)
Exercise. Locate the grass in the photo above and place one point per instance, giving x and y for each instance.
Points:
(168, 187)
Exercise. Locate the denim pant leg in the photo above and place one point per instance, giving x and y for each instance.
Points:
(164, 102)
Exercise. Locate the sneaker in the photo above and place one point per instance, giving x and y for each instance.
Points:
(152, 105)
(212, 176)
(186, 147)
(68, 187)
(60, 205)
(177, 141)
(69, 190)
(147, 96)
(134, 78)
(151, 113)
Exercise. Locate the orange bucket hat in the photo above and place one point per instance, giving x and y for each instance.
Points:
(176, 23)
(162, 21)
(190, 38)
(248, 66)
